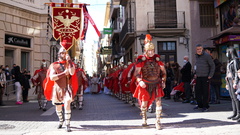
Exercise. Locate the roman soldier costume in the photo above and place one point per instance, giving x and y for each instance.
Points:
(60, 86)
(150, 72)
(37, 80)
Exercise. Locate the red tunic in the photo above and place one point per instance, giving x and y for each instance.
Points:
(141, 93)
(48, 85)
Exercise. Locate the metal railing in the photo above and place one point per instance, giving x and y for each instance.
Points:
(175, 20)
(128, 27)
(10, 88)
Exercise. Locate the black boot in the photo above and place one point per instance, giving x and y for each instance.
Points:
(238, 120)
(236, 117)
(230, 117)
(234, 110)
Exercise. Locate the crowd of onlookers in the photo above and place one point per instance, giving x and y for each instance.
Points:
(19, 79)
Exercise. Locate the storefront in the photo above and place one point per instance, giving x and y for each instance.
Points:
(15, 45)
(228, 16)
(229, 37)
(24, 40)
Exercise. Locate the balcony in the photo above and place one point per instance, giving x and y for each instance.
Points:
(116, 27)
(123, 2)
(162, 24)
(126, 37)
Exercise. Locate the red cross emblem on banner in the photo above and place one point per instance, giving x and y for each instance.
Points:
(66, 25)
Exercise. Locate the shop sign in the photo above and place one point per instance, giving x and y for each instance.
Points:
(218, 2)
(106, 50)
(18, 41)
(234, 37)
(221, 40)
(107, 30)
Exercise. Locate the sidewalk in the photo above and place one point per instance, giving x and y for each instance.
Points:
(12, 96)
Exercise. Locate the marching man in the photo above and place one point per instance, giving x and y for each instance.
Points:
(61, 86)
(150, 77)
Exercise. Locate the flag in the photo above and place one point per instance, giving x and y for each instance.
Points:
(66, 25)
(85, 25)
(88, 18)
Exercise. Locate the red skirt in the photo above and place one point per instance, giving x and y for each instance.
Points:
(142, 95)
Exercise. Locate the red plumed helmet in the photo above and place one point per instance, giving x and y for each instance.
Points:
(148, 38)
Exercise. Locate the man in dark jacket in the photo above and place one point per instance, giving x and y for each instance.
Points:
(186, 72)
(204, 69)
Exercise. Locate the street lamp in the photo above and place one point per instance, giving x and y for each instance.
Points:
(53, 50)
(141, 40)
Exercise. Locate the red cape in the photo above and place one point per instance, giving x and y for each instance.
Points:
(48, 85)
(124, 79)
(36, 71)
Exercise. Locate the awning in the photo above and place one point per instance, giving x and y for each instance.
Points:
(234, 30)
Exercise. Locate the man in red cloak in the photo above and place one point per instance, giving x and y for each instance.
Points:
(150, 76)
(61, 85)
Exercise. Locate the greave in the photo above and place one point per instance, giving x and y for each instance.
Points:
(40, 104)
(60, 116)
(44, 105)
(67, 118)
(158, 116)
(144, 116)
(80, 102)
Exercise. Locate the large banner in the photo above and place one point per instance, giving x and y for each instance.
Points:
(66, 25)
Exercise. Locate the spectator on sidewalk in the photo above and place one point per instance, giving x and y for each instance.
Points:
(18, 86)
(177, 74)
(186, 78)
(25, 85)
(7, 73)
(13, 71)
(168, 83)
(2, 84)
(216, 80)
(204, 70)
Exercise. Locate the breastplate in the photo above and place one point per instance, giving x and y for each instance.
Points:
(151, 71)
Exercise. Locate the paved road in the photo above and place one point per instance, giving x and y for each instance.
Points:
(106, 115)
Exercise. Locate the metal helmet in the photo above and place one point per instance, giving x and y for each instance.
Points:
(149, 46)
(62, 49)
(148, 43)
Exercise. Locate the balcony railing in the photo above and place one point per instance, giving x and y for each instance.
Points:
(115, 25)
(176, 20)
(128, 27)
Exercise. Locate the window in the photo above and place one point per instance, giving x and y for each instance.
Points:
(207, 14)
(167, 51)
(25, 60)
(165, 13)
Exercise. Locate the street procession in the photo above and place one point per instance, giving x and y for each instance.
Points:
(127, 67)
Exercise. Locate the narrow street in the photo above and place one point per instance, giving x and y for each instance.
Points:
(106, 115)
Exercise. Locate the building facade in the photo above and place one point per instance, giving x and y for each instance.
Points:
(23, 39)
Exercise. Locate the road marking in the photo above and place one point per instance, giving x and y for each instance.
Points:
(165, 104)
(49, 111)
